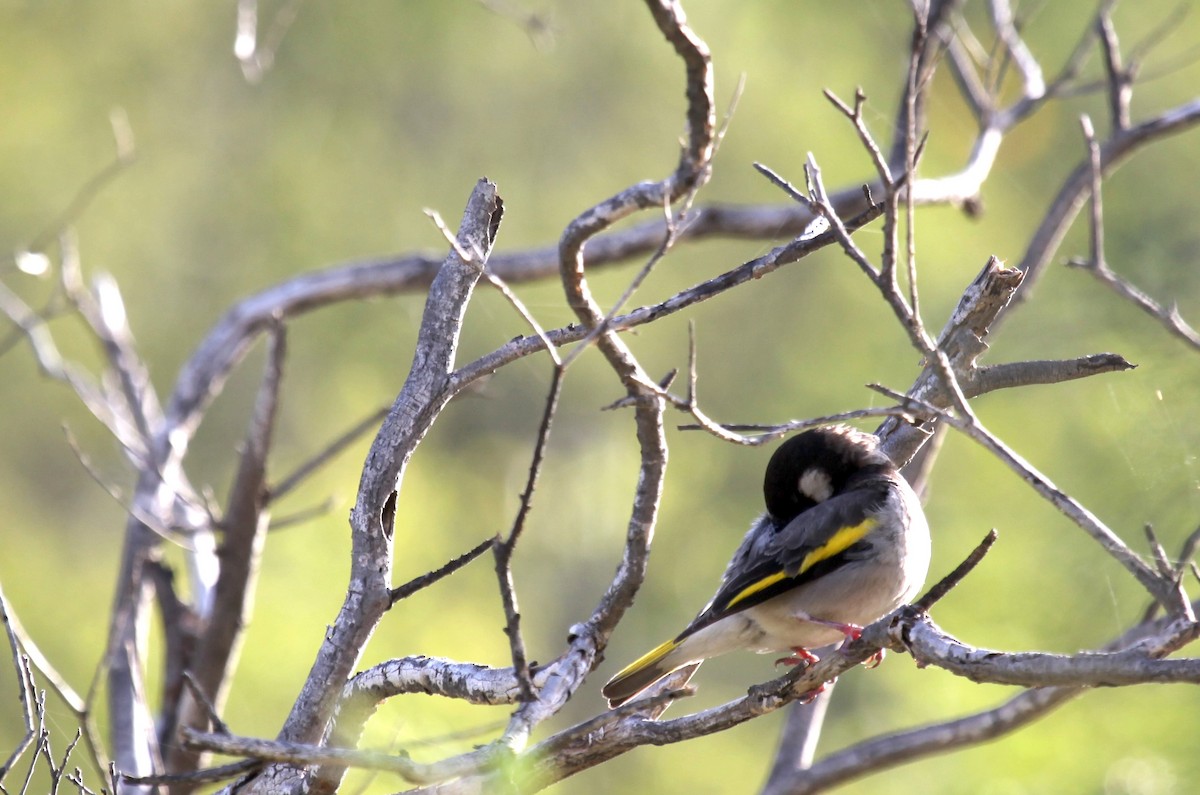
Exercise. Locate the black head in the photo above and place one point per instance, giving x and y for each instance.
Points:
(813, 466)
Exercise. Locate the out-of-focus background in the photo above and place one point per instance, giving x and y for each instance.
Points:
(373, 111)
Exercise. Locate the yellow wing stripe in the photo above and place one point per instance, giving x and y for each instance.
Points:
(838, 542)
(646, 660)
(750, 590)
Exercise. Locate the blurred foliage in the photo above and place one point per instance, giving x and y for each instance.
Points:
(376, 109)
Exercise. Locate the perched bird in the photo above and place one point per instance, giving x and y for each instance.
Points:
(842, 543)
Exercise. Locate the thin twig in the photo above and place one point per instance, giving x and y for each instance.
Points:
(764, 434)
(691, 403)
(675, 225)
(170, 534)
(124, 156)
(301, 516)
(1015, 49)
(298, 475)
(25, 690)
(812, 173)
(205, 703)
(495, 281)
(504, 548)
(951, 580)
(208, 775)
(1120, 80)
(425, 580)
(1096, 239)
(912, 316)
(1097, 264)
(855, 115)
(1162, 589)
(791, 190)
(27, 658)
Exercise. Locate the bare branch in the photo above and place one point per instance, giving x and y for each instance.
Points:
(932, 28)
(496, 282)
(53, 365)
(855, 116)
(210, 775)
(1120, 80)
(372, 519)
(990, 378)
(793, 193)
(930, 645)
(798, 742)
(425, 580)
(245, 526)
(335, 447)
(820, 196)
(962, 68)
(1168, 317)
(890, 750)
(1162, 589)
(951, 580)
(1016, 49)
(470, 682)
(504, 547)
(158, 440)
(692, 171)
(764, 434)
(210, 710)
(753, 269)
(1098, 265)
(962, 342)
(904, 747)
(25, 689)
(27, 658)
(301, 754)
(1077, 186)
(123, 158)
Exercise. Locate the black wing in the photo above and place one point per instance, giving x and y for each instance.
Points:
(772, 560)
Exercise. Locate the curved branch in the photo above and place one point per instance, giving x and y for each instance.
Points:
(890, 750)
(1077, 187)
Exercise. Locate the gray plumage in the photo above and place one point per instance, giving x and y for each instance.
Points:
(843, 542)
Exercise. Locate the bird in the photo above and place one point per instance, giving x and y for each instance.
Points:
(843, 542)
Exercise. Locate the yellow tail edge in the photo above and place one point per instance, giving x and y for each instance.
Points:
(638, 675)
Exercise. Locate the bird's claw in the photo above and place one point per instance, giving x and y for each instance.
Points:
(799, 655)
(811, 695)
(852, 632)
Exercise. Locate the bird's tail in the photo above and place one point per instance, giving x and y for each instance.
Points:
(643, 672)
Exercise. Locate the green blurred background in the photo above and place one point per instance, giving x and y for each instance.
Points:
(376, 110)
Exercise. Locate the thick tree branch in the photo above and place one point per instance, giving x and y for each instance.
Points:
(930, 645)
(372, 520)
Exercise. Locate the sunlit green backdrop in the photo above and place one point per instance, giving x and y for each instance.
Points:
(373, 111)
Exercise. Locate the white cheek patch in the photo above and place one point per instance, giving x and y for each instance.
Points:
(815, 484)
